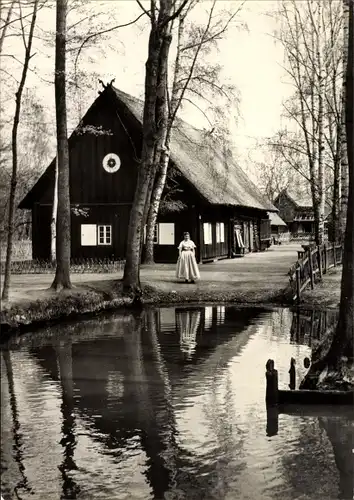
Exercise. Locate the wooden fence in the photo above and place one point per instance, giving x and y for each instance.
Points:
(312, 263)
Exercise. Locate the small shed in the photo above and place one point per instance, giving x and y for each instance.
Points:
(278, 227)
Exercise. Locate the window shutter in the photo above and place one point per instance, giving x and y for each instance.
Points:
(88, 235)
(166, 233)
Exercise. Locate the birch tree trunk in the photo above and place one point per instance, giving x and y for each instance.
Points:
(337, 186)
(177, 94)
(162, 121)
(344, 148)
(164, 159)
(12, 196)
(53, 225)
(63, 236)
(152, 134)
(321, 89)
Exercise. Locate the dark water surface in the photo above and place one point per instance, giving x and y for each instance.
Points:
(169, 404)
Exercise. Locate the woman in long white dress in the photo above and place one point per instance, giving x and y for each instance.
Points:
(187, 267)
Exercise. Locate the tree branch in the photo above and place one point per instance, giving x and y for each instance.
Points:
(143, 9)
(88, 38)
(175, 14)
(216, 35)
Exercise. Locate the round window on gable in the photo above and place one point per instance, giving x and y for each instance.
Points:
(111, 163)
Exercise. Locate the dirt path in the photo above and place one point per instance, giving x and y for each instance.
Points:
(249, 278)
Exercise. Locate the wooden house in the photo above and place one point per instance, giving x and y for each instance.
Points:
(221, 208)
(297, 212)
(279, 228)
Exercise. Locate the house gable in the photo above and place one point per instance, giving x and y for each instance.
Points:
(286, 206)
(107, 128)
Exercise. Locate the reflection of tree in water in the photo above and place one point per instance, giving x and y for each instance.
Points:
(219, 410)
(68, 441)
(309, 463)
(187, 322)
(23, 483)
(340, 432)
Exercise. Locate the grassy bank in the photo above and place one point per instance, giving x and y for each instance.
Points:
(259, 278)
(326, 294)
(48, 306)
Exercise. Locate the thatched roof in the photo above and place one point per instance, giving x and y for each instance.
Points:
(215, 174)
(275, 220)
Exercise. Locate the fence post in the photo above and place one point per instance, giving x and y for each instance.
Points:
(309, 253)
(334, 255)
(298, 285)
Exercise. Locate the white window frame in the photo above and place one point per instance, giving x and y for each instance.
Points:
(208, 233)
(107, 235)
(220, 232)
(156, 234)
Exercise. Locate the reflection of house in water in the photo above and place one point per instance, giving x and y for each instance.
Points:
(127, 379)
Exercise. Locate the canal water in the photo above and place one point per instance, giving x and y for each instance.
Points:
(168, 403)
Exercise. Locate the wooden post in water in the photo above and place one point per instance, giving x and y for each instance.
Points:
(298, 285)
(272, 420)
(292, 374)
(272, 383)
(311, 267)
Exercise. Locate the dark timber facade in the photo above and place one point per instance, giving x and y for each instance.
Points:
(223, 211)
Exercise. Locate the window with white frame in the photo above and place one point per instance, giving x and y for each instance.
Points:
(220, 232)
(208, 235)
(156, 233)
(104, 235)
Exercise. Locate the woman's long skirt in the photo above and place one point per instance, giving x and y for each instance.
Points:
(187, 267)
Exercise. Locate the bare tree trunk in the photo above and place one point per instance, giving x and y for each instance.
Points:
(336, 187)
(151, 136)
(176, 98)
(53, 225)
(343, 340)
(162, 120)
(63, 247)
(165, 157)
(344, 149)
(342, 343)
(28, 47)
(321, 89)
